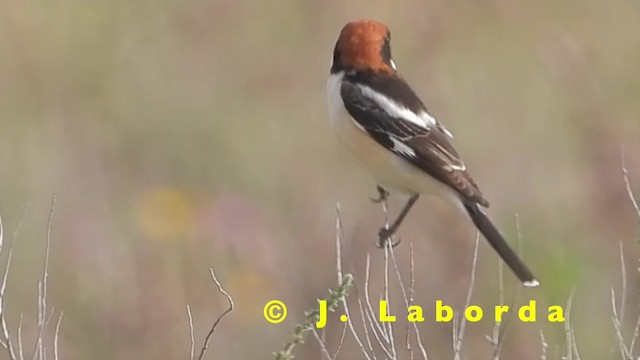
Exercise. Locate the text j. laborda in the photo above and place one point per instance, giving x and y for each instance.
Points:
(444, 313)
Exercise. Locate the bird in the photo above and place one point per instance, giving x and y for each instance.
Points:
(379, 118)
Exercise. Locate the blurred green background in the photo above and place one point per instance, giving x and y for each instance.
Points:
(179, 135)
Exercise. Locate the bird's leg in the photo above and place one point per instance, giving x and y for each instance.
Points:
(382, 195)
(386, 233)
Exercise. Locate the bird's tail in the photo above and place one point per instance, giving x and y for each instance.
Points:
(500, 245)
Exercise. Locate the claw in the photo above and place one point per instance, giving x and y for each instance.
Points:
(386, 235)
(382, 195)
(377, 200)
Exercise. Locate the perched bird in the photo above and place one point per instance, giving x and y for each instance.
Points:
(376, 115)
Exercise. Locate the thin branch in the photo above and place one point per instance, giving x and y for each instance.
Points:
(341, 281)
(45, 323)
(45, 277)
(497, 335)
(20, 338)
(454, 332)
(623, 273)
(215, 323)
(423, 350)
(634, 204)
(371, 313)
(575, 343)
(408, 300)
(352, 328)
(38, 344)
(364, 325)
(378, 331)
(636, 333)
(192, 342)
(625, 175)
(368, 311)
(6, 339)
(323, 346)
(5, 331)
(39, 347)
(624, 352)
(323, 338)
(379, 336)
(463, 321)
(364, 320)
(544, 345)
(339, 235)
(567, 326)
(389, 326)
(42, 287)
(56, 336)
(341, 342)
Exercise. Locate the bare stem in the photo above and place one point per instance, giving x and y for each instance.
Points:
(460, 336)
(5, 340)
(217, 321)
(56, 336)
(192, 342)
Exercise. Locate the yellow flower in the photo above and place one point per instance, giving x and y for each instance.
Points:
(165, 213)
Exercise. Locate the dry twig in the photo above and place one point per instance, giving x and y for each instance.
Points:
(217, 321)
(457, 346)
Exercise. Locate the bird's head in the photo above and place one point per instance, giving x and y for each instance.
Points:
(363, 45)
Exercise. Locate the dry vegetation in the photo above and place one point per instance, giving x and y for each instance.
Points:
(181, 135)
(377, 340)
(373, 338)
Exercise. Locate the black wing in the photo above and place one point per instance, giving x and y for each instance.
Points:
(428, 148)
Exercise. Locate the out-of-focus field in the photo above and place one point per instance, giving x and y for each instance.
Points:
(179, 135)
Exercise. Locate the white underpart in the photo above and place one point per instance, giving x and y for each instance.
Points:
(336, 105)
(400, 147)
(390, 169)
(396, 110)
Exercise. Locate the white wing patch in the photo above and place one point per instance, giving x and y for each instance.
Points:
(445, 130)
(400, 147)
(460, 167)
(396, 110)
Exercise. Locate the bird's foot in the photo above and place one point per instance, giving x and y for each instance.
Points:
(382, 195)
(385, 236)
